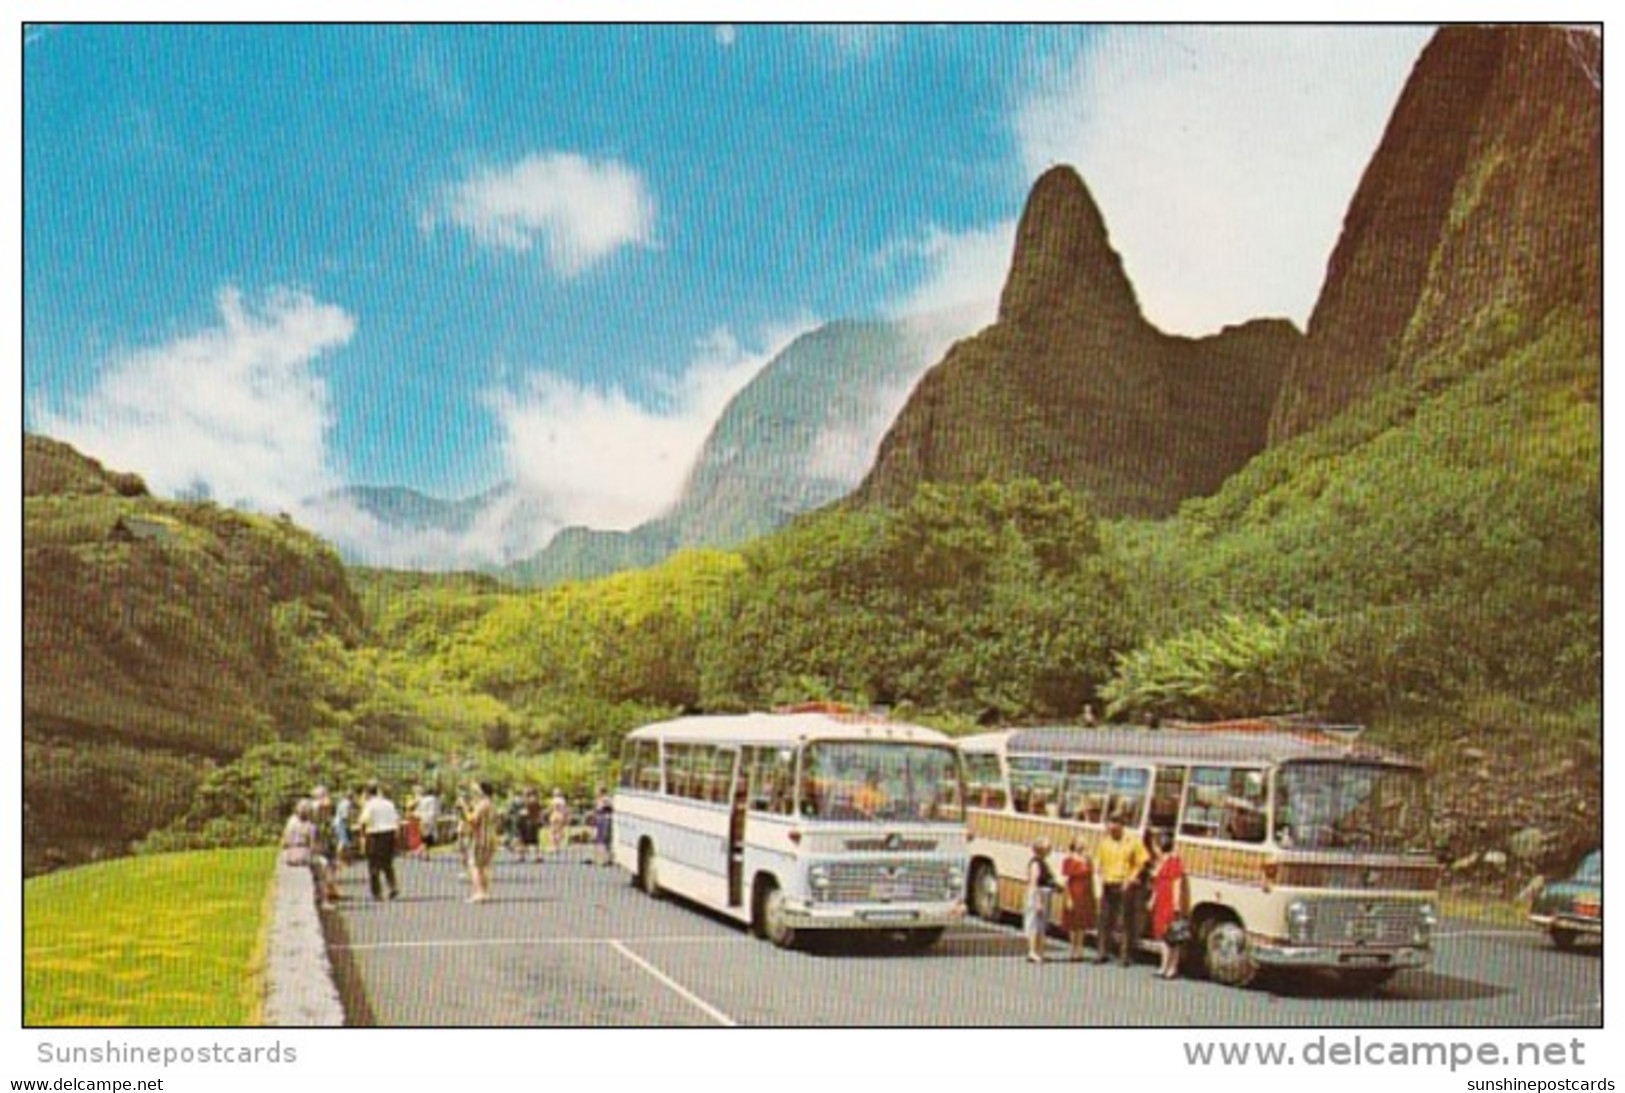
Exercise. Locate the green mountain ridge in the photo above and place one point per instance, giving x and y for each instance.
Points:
(1393, 518)
(154, 641)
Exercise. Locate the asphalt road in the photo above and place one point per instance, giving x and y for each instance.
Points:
(572, 945)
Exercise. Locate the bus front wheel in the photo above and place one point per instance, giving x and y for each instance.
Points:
(984, 891)
(772, 917)
(1226, 953)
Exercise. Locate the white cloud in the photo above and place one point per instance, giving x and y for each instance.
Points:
(607, 460)
(576, 210)
(960, 272)
(1223, 158)
(510, 526)
(237, 412)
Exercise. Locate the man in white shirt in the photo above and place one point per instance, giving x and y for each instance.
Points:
(380, 820)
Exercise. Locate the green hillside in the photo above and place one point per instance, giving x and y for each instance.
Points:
(157, 637)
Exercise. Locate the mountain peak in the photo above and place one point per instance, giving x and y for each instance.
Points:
(1063, 254)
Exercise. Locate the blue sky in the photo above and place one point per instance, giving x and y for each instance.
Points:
(261, 263)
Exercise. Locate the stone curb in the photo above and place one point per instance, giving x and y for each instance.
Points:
(300, 991)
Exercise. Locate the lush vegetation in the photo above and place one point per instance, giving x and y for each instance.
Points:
(1440, 542)
(1428, 562)
(162, 940)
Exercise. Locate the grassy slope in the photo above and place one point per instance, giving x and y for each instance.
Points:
(172, 939)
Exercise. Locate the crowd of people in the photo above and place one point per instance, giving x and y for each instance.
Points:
(1129, 886)
(328, 832)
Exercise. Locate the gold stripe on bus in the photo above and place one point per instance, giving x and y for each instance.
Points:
(1403, 877)
(1024, 830)
(1238, 863)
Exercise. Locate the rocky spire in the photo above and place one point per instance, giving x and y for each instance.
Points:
(1063, 256)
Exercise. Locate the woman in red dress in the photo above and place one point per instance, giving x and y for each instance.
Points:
(1170, 899)
(1077, 916)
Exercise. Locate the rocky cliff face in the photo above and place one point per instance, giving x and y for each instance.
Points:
(798, 436)
(1072, 384)
(1479, 214)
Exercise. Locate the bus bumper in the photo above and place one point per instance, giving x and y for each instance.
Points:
(1568, 922)
(921, 916)
(1272, 954)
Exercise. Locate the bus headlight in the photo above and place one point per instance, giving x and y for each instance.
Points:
(818, 878)
(1300, 920)
(956, 880)
(1427, 917)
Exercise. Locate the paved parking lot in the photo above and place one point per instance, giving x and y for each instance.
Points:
(574, 945)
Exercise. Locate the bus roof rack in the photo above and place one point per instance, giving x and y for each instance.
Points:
(1297, 724)
(835, 709)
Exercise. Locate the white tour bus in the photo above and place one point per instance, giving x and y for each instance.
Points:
(1304, 848)
(814, 819)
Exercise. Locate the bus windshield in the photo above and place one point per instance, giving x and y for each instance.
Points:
(1366, 807)
(880, 780)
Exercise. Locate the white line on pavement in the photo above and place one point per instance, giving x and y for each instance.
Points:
(715, 1014)
(493, 942)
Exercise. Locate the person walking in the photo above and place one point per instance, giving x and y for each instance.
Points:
(1170, 903)
(1040, 886)
(483, 840)
(380, 821)
(1119, 857)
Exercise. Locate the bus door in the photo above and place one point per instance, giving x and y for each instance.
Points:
(738, 796)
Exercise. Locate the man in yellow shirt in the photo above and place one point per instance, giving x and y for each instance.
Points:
(1119, 858)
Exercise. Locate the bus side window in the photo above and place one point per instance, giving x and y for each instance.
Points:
(1244, 820)
(1204, 802)
(679, 770)
(648, 759)
(1166, 792)
(1129, 785)
(983, 781)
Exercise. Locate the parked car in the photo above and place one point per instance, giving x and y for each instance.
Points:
(1572, 908)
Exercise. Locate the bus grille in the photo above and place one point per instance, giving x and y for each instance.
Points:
(1365, 922)
(886, 882)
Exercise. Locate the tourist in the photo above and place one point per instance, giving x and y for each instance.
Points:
(380, 821)
(558, 820)
(1170, 903)
(603, 817)
(1040, 886)
(481, 828)
(1076, 916)
(1119, 857)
